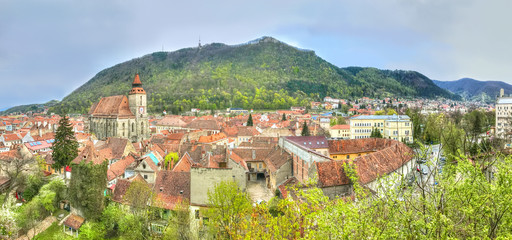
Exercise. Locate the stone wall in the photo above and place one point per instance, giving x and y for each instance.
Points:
(337, 191)
(204, 179)
(303, 159)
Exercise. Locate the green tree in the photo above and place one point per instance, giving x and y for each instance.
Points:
(138, 197)
(391, 111)
(110, 219)
(171, 157)
(86, 188)
(65, 147)
(228, 206)
(178, 226)
(305, 130)
(92, 231)
(249, 121)
(284, 117)
(376, 133)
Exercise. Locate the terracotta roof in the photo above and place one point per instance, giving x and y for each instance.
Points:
(276, 159)
(113, 148)
(340, 127)
(89, 154)
(171, 188)
(184, 164)
(136, 80)
(358, 145)
(212, 138)
(331, 174)
(112, 106)
(203, 125)
(137, 86)
(369, 167)
(311, 142)
(117, 169)
(10, 155)
(74, 221)
(283, 187)
(172, 121)
(247, 131)
(11, 137)
(122, 186)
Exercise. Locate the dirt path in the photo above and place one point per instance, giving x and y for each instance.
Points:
(258, 191)
(43, 225)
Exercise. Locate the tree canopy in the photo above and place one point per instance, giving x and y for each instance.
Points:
(65, 147)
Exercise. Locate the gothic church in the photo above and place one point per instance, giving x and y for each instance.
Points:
(121, 116)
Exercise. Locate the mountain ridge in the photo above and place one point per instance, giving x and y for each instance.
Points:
(264, 73)
(472, 89)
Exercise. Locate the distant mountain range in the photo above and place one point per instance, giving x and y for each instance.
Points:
(262, 74)
(30, 107)
(471, 89)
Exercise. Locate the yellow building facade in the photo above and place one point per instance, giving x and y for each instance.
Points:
(397, 127)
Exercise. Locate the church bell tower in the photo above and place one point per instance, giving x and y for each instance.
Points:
(137, 100)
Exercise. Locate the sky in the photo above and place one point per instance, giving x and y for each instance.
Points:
(48, 48)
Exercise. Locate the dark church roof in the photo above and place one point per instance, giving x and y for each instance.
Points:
(114, 106)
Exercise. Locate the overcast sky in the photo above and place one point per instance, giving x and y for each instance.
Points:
(48, 48)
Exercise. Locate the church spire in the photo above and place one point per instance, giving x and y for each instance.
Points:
(137, 86)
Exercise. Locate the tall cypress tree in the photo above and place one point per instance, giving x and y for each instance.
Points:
(284, 117)
(249, 121)
(305, 130)
(65, 147)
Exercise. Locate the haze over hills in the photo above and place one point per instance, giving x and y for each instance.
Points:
(261, 74)
(471, 89)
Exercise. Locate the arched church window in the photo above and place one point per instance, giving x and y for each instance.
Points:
(141, 128)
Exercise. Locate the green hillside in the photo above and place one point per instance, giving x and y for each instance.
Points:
(262, 74)
(35, 108)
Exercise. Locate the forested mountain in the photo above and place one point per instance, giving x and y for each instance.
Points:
(472, 89)
(31, 107)
(261, 74)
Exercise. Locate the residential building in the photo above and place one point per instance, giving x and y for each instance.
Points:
(503, 115)
(397, 127)
(340, 131)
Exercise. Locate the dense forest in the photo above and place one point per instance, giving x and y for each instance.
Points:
(262, 74)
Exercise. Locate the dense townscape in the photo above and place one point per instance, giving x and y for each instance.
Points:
(119, 172)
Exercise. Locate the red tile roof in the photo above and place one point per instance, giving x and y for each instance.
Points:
(331, 174)
(11, 137)
(212, 138)
(117, 169)
(89, 154)
(74, 221)
(112, 106)
(358, 145)
(339, 127)
(369, 167)
(171, 188)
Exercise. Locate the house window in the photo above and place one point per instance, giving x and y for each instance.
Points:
(348, 156)
(145, 176)
(143, 166)
(133, 127)
(260, 166)
(197, 214)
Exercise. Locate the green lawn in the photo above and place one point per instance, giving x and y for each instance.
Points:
(53, 232)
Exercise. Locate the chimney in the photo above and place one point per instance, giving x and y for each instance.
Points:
(253, 154)
(502, 92)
